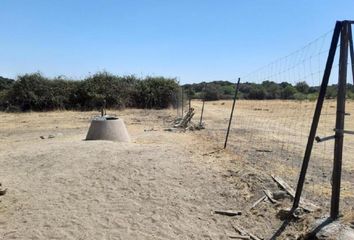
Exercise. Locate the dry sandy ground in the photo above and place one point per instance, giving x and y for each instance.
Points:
(162, 185)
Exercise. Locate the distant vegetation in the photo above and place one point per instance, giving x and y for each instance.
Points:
(38, 93)
(35, 92)
(266, 90)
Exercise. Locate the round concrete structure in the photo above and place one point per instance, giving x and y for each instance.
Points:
(108, 128)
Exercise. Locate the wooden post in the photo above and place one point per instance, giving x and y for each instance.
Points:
(351, 49)
(232, 112)
(182, 103)
(201, 114)
(177, 104)
(317, 114)
(340, 116)
(103, 109)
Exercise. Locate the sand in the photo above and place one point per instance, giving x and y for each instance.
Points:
(67, 188)
(162, 185)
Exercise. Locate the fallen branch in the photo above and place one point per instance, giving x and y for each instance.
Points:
(228, 212)
(239, 237)
(264, 150)
(258, 201)
(242, 231)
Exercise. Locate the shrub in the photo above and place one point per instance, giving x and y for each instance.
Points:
(155, 92)
(288, 92)
(30, 92)
(116, 91)
(312, 96)
(5, 83)
(38, 93)
(257, 93)
(300, 96)
(212, 92)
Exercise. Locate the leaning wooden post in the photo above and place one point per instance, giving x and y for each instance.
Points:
(201, 114)
(340, 115)
(317, 114)
(232, 112)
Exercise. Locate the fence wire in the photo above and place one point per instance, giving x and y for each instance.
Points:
(272, 134)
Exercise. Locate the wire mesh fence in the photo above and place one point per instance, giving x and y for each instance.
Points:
(272, 134)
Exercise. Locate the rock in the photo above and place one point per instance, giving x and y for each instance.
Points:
(280, 195)
(3, 192)
(331, 230)
(51, 136)
(42, 137)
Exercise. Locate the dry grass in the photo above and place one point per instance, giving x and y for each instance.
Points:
(282, 127)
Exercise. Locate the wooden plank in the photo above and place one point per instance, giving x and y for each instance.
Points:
(310, 207)
(186, 119)
(269, 195)
(284, 185)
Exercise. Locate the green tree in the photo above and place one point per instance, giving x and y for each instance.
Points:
(288, 92)
(302, 87)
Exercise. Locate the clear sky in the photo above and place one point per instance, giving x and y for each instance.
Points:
(194, 40)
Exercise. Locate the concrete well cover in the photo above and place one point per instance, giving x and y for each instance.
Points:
(108, 128)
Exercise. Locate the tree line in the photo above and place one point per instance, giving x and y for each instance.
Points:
(217, 90)
(35, 92)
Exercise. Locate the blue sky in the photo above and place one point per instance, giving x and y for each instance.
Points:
(200, 40)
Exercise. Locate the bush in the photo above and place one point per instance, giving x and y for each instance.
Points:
(212, 92)
(300, 96)
(38, 93)
(103, 86)
(312, 96)
(5, 83)
(288, 92)
(257, 93)
(31, 92)
(156, 92)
